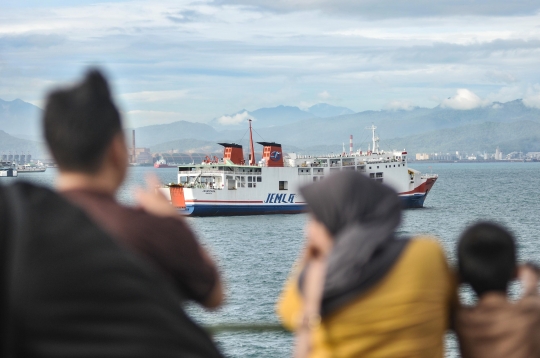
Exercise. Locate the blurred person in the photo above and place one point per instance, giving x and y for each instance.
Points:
(496, 326)
(359, 291)
(83, 131)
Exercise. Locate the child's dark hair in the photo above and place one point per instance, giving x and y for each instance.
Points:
(80, 122)
(487, 257)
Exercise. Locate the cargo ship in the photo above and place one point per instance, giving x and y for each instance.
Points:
(235, 185)
(162, 163)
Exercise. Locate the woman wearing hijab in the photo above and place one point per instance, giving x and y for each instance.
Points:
(360, 291)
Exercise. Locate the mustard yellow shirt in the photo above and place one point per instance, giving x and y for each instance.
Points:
(404, 315)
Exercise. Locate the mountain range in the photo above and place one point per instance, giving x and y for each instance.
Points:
(320, 129)
(277, 116)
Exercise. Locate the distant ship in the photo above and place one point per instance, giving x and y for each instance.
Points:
(7, 169)
(161, 163)
(31, 168)
(236, 186)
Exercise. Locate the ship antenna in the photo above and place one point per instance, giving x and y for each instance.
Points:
(374, 139)
(252, 150)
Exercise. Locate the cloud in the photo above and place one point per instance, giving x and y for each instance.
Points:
(31, 41)
(155, 96)
(399, 105)
(464, 100)
(186, 16)
(324, 95)
(396, 9)
(235, 119)
(533, 97)
(240, 54)
(500, 77)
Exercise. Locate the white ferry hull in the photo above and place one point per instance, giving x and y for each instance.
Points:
(266, 198)
(231, 187)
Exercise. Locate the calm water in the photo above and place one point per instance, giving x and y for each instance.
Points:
(255, 253)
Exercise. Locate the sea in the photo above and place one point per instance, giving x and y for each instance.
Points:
(255, 253)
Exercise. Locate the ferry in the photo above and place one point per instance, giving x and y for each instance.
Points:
(233, 185)
(26, 168)
(7, 169)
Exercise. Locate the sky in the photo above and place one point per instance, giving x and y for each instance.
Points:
(200, 60)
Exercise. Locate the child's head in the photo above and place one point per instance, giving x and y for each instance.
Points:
(487, 258)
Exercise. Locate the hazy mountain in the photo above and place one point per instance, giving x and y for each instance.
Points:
(187, 146)
(149, 136)
(20, 119)
(517, 136)
(208, 147)
(511, 125)
(394, 124)
(324, 110)
(409, 129)
(13, 145)
(277, 116)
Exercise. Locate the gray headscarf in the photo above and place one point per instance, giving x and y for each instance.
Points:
(362, 216)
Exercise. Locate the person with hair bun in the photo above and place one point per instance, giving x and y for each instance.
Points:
(359, 290)
(84, 133)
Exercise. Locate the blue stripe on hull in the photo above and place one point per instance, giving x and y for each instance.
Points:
(409, 202)
(413, 201)
(227, 210)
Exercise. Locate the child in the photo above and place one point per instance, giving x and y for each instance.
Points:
(495, 326)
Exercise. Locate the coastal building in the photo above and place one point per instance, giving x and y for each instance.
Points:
(138, 155)
(422, 156)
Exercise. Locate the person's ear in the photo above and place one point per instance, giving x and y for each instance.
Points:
(118, 150)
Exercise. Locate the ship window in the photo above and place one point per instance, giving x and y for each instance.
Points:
(250, 180)
(372, 175)
(250, 185)
(394, 165)
(315, 178)
(398, 165)
(183, 179)
(379, 175)
(259, 179)
(377, 167)
(369, 167)
(283, 185)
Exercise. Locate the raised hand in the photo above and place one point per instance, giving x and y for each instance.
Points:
(152, 200)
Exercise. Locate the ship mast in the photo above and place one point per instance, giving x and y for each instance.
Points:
(374, 139)
(251, 148)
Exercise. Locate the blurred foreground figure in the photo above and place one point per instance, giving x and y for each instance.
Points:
(84, 133)
(495, 326)
(83, 276)
(360, 291)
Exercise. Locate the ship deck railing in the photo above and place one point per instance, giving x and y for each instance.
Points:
(200, 186)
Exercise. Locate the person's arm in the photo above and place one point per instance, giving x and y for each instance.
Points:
(153, 202)
(529, 274)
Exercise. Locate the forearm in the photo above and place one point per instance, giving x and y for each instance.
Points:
(529, 275)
